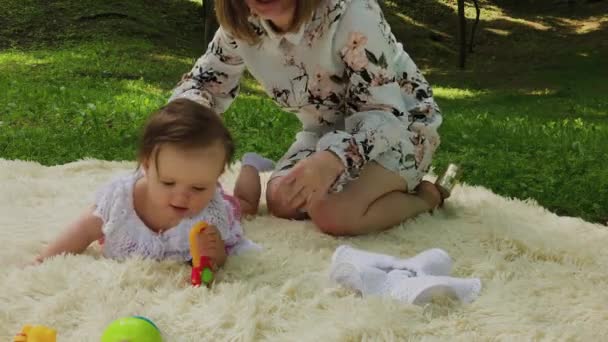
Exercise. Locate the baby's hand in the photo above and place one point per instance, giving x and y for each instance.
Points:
(38, 260)
(34, 262)
(211, 245)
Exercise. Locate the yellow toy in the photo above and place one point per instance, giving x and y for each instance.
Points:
(202, 270)
(36, 333)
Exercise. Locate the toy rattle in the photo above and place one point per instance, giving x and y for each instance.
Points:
(132, 329)
(36, 333)
(202, 269)
(446, 182)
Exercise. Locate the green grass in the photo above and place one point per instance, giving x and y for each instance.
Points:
(90, 100)
(558, 161)
(527, 119)
(33, 23)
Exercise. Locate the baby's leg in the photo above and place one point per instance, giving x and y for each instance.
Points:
(248, 188)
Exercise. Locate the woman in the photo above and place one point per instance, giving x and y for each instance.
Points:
(368, 115)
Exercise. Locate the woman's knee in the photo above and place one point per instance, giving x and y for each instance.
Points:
(332, 219)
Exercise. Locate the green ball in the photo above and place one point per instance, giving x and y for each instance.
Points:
(131, 329)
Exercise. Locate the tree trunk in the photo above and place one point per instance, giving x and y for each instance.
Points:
(477, 14)
(462, 34)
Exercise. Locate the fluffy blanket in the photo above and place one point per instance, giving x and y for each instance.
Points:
(544, 277)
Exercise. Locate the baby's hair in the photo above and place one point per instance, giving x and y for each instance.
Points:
(187, 124)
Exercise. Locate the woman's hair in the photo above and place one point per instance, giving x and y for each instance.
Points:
(187, 124)
(233, 17)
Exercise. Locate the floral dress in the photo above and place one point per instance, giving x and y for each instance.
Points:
(356, 91)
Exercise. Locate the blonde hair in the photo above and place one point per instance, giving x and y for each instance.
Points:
(233, 16)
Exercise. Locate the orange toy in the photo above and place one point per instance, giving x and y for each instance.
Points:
(202, 270)
(36, 333)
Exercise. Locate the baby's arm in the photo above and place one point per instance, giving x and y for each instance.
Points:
(77, 237)
(211, 245)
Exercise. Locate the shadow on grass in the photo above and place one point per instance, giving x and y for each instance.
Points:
(508, 35)
(176, 24)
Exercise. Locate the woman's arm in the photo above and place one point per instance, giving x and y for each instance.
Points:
(388, 100)
(214, 80)
(77, 237)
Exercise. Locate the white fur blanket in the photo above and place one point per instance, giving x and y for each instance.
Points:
(544, 277)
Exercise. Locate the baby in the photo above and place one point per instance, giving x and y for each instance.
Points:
(149, 212)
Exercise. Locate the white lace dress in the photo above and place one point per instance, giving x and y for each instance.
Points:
(125, 234)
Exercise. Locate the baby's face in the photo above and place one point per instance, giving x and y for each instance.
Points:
(185, 180)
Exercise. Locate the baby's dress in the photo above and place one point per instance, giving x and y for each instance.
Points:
(125, 234)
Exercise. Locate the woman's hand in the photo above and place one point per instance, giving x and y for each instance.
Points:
(310, 179)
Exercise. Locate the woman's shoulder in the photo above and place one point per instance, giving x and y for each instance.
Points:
(329, 11)
(333, 17)
(352, 11)
(335, 9)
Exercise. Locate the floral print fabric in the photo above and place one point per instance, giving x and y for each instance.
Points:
(346, 78)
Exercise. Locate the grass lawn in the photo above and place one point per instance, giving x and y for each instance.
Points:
(528, 118)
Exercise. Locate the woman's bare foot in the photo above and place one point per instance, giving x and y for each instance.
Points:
(430, 193)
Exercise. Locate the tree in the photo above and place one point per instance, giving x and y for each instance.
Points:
(462, 31)
(462, 35)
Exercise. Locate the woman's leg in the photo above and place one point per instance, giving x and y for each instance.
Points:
(377, 200)
(303, 147)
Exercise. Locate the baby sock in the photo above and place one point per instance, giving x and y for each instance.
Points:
(257, 161)
(402, 285)
(430, 262)
(420, 290)
(365, 279)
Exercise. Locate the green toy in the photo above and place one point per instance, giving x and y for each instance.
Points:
(132, 329)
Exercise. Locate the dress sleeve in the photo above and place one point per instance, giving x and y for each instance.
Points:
(225, 216)
(214, 80)
(110, 203)
(387, 98)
